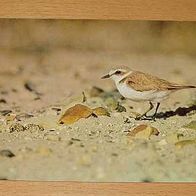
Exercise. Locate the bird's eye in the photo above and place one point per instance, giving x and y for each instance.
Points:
(118, 72)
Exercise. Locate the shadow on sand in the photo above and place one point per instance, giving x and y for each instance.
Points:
(181, 111)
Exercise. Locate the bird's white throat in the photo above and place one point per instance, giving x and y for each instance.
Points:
(118, 78)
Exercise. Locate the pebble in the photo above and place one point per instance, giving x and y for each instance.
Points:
(16, 127)
(75, 139)
(7, 153)
(3, 101)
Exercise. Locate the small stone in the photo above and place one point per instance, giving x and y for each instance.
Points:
(33, 128)
(75, 139)
(16, 127)
(184, 143)
(143, 132)
(7, 153)
(3, 101)
(100, 111)
(191, 125)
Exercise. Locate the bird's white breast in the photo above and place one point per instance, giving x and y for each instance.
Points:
(130, 93)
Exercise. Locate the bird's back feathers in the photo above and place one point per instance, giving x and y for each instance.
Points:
(140, 81)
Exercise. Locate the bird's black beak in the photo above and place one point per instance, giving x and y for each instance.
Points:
(106, 76)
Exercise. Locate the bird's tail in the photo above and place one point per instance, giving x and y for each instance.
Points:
(179, 87)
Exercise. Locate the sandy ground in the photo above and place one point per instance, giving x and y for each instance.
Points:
(36, 90)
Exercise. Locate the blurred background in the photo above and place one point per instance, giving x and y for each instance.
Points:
(42, 36)
(61, 58)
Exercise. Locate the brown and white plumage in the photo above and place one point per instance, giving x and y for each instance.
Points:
(140, 81)
(139, 86)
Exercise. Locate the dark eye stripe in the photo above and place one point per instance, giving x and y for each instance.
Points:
(118, 72)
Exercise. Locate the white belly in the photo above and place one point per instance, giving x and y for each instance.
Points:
(152, 95)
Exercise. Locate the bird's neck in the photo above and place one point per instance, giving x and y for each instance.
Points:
(121, 79)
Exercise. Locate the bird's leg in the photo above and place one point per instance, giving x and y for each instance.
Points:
(157, 107)
(154, 115)
(149, 109)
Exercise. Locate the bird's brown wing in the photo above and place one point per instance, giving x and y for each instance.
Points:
(145, 82)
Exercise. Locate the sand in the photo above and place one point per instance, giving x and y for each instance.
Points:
(36, 92)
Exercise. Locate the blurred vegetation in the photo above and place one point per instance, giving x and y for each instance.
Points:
(130, 36)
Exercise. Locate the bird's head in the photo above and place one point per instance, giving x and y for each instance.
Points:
(116, 74)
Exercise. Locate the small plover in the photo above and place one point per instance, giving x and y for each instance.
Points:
(139, 86)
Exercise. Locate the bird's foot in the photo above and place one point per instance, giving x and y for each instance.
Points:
(145, 117)
(142, 117)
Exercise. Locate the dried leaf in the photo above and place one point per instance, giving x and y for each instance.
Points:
(100, 111)
(143, 132)
(75, 113)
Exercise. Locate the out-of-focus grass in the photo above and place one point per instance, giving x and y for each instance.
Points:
(39, 36)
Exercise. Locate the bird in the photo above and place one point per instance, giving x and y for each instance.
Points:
(139, 86)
